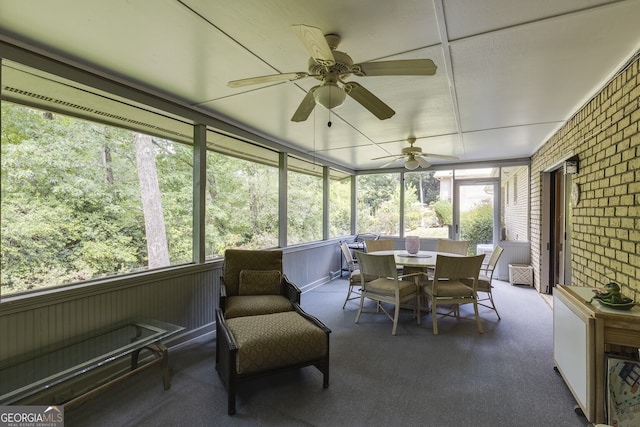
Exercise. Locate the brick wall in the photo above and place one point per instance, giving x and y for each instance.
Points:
(606, 222)
(515, 199)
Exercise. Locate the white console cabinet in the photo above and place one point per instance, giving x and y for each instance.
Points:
(581, 333)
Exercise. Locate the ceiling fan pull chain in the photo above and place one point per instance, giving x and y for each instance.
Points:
(329, 122)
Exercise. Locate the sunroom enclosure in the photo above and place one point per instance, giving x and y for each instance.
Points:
(118, 204)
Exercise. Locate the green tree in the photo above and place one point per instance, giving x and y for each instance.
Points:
(477, 225)
(62, 217)
(71, 207)
(444, 212)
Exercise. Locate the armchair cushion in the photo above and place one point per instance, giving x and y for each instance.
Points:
(254, 300)
(276, 340)
(252, 305)
(236, 260)
(260, 282)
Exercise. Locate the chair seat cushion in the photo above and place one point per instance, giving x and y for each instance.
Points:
(252, 305)
(388, 287)
(484, 283)
(355, 276)
(451, 288)
(276, 340)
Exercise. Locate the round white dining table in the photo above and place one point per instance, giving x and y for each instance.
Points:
(423, 259)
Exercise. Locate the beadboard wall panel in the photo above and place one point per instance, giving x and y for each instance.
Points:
(187, 297)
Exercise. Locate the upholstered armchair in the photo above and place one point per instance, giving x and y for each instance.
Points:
(253, 283)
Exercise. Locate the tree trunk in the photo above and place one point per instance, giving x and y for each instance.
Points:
(106, 159)
(157, 248)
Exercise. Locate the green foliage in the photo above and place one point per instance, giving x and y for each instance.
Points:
(304, 208)
(378, 201)
(443, 211)
(427, 188)
(477, 225)
(413, 212)
(241, 205)
(71, 203)
(340, 207)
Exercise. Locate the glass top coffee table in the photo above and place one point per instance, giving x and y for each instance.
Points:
(35, 373)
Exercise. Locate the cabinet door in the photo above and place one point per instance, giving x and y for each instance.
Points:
(573, 349)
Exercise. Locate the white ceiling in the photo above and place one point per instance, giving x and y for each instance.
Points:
(510, 72)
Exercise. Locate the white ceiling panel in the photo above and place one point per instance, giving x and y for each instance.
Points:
(467, 18)
(480, 145)
(540, 72)
(510, 72)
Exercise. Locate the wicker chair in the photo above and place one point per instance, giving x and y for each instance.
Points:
(485, 278)
(460, 247)
(253, 284)
(354, 274)
(388, 287)
(379, 245)
(448, 287)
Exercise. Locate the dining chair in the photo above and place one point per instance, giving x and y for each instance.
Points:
(379, 245)
(354, 273)
(485, 278)
(448, 286)
(387, 287)
(460, 247)
(357, 243)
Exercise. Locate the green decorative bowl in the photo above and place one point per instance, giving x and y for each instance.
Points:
(626, 304)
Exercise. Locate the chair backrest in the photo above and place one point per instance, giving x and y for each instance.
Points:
(236, 260)
(456, 268)
(493, 260)
(366, 236)
(379, 245)
(346, 252)
(460, 247)
(376, 265)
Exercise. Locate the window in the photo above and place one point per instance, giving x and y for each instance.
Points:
(427, 208)
(339, 205)
(304, 207)
(82, 200)
(241, 204)
(379, 204)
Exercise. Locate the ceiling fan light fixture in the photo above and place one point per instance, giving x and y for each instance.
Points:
(412, 163)
(329, 95)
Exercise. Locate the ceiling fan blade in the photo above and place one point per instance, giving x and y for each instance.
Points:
(316, 44)
(268, 79)
(306, 107)
(422, 161)
(407, 67)
(397, 156)
(440, 156)
(389, 163)
(369, 100)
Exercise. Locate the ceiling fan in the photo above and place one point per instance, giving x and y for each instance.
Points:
(332, 68)
(415, 157)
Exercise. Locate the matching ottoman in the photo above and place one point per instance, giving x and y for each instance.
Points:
(251, 346)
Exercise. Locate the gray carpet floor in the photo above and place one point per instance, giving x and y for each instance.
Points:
(504, 377)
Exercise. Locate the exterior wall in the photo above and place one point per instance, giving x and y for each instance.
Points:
(516, 205)
(606, 221)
